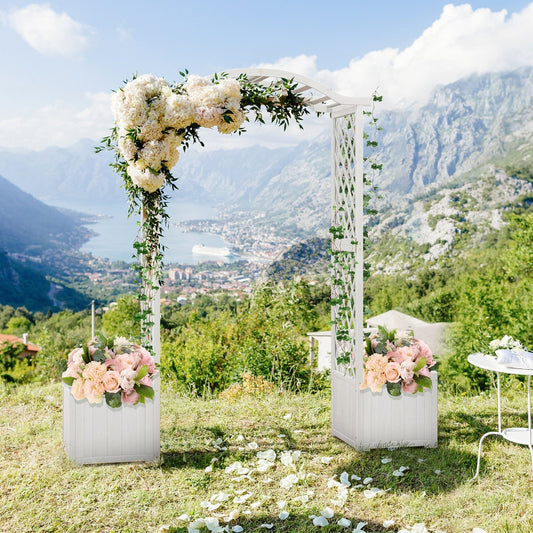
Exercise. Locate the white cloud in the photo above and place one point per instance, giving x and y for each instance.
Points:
(48, 32)
(58, 124)
(461, 42)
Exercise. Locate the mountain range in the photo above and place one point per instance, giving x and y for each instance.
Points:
(458, 160)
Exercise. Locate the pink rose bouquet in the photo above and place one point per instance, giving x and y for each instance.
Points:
(398, 360)
(115, 369)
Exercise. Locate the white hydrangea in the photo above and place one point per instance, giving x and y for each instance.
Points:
(144, 177)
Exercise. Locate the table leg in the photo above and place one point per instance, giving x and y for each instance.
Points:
(479, 450)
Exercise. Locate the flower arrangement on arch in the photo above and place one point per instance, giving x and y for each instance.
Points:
(115, 369)
(398, 360)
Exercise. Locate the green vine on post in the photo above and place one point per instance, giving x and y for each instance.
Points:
(343, 261)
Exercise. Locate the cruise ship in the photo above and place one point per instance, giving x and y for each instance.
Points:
(201, 249)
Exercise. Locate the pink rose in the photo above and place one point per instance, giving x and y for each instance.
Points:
(130, 396)
(75, 356)
(410, 387)
(392, 372)
(73, 371)
(424, 372)
(127, 378)
(397, 357)
(93, 391)
(111, 381)
(129, 360)
(425, 351)
(407, 370)
(409, 352)
(145, 359)
(146, 381)
(114, 364)
(77, 389)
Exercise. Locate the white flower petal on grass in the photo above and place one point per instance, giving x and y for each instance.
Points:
(388, 523)
(287, 416)
(372, 493)
(344, 522)
(267, 526)
(288, 481)
(256, 505)
(282, 435)
(263, 465)
(403, 468)
(386, 460)
(327, 513)
(239, 438)
(368, 480)
(243, 498)
(398, 473)
(304, 498)
(220, 497)
(283, 515)
(345, 479)
(332, 482)
(326, 460)
(281, 504)
(392, 448)
(478, 530)
(356, 478)
(253, 445)
(267, 455)
(208, 468)
(438, 472)
(420, 460)
(320, 521)
(211, 523)
(184, 516)
(233, 515)
(419, 528)
(164, 528)
(359, 527)
(237, 529)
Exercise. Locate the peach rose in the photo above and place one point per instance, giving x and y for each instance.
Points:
(77, 389)
(111, 381)
(94, 371)
(93, 391)
(376, 380)
(392, 372)
(409, 352)
(376, 363)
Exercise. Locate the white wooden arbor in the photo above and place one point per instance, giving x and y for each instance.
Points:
(360, 418)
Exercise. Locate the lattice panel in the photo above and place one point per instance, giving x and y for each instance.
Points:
(347, 242)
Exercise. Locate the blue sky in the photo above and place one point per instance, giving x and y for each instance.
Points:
(60, 59)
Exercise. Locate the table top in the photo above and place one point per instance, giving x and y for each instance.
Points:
(488, 362)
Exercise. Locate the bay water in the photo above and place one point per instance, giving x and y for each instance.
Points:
(116, 232)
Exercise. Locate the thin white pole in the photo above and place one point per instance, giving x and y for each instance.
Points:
(92, 319)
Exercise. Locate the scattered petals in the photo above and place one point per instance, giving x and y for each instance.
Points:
(438, 472)
(253, 445)
(478, 530)
(267, 526)
(344, 522)
(287, 416)
(237, 529)
(282, 435)
(398, 473)
(388, 523)
(367, 480)
(327, 513)
(403, 468)
(268, 455)
(320, 521)
(345, 479)
(283, 515)
(420, 460)
(281, 504)
(356, 478)
(240, 438)
(184, 517)
(288, 481)
(326, 460)
(359, 527)
(386, 460)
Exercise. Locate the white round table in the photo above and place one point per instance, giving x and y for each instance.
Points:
(516, 435)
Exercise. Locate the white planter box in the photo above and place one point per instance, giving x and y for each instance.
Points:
(366, 420)
(100, 434)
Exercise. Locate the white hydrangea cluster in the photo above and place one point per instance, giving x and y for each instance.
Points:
(148, 106)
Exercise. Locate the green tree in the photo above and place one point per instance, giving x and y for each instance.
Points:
(123, 319)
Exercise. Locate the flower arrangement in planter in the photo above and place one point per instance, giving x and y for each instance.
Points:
(398, 360)
(115, 369)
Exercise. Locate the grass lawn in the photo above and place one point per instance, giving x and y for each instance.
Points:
(41, 490)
